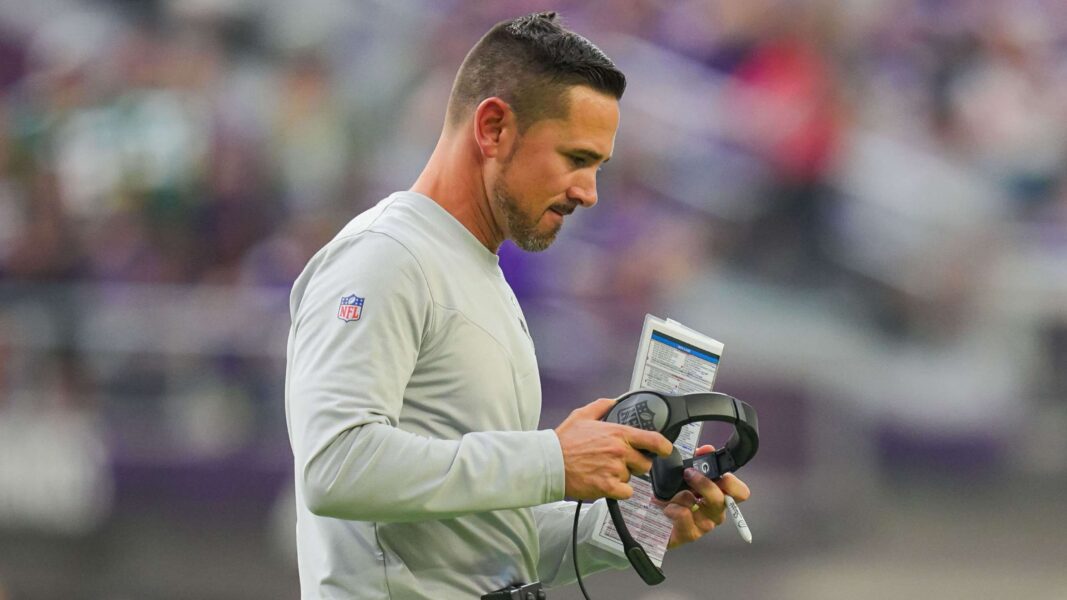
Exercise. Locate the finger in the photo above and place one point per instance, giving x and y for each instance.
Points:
(728, 483)
(709, 511)
(712, 494)
(593, 411)
(648, 440)
(685, 529)
(684, 498)
(701, 509)
(636, 462)
(620, 491)
(678, 513)
(701, 451)
(732, 486)
(718, 519)
(703, 522)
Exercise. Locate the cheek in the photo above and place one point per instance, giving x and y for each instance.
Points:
(530, 185)
(553, 179)
(539, 176)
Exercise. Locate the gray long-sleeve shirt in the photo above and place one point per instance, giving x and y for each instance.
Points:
(412, 399)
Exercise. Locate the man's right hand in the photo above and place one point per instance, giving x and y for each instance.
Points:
(599, 457)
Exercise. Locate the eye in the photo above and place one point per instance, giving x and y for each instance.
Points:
(579, 161)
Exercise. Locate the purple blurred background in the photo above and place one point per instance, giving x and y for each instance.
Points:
(865, 200)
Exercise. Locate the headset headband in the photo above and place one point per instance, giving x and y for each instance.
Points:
(667, 414)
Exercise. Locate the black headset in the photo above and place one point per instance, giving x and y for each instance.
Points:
(667, 414)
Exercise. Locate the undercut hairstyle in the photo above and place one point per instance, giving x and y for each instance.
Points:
(530, 62)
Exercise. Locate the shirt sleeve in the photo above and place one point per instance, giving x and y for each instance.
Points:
(345, 390)
(555, 527)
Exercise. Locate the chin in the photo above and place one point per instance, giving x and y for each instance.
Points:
(537, 243)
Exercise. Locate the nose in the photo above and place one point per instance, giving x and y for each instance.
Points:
(583, 192)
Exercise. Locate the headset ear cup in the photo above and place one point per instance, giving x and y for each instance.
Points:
(667, 479)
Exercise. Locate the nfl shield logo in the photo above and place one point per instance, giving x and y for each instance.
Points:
(351, 308)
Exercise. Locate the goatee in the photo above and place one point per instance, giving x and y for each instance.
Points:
(521, 229)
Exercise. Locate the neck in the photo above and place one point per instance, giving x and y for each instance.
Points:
(453, 178)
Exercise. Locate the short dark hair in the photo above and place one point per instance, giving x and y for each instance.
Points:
(530, 62)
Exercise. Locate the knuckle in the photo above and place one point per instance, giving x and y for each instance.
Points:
(714, 495)
(605, 486)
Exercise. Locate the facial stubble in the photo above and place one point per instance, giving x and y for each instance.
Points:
(522, 230)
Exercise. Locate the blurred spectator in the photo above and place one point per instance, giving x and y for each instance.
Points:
(788, 113)
(310, 137)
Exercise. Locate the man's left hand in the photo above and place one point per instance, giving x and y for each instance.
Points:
(697, 510)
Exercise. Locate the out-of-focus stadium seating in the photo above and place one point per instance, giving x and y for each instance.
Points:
(866, 201)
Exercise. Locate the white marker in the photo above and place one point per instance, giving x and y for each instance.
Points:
(738, 519)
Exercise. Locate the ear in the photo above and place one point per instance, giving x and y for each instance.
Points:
(494, 127)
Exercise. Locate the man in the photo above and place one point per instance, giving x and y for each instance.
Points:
(412, 391)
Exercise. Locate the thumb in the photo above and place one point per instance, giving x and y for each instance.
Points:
(701, 451)
(595, 410)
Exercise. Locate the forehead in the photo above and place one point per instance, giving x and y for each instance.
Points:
(591, 122)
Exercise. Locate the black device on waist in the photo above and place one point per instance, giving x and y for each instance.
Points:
(518, 591)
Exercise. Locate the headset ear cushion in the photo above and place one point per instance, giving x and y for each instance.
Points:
(667, 479)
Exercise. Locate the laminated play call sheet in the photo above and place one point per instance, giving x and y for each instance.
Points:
(673, 359)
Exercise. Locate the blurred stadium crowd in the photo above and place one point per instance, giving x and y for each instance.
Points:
(866, 200)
